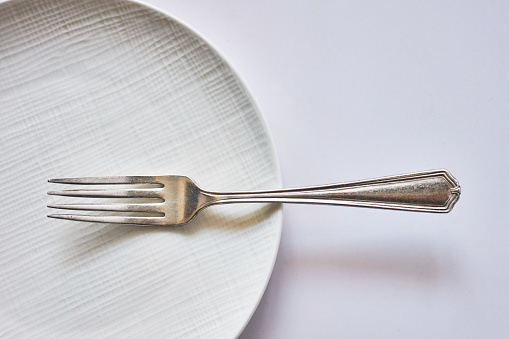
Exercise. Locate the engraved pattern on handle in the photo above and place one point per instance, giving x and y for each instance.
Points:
(432, 191)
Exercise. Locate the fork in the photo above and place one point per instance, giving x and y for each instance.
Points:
(181, 199)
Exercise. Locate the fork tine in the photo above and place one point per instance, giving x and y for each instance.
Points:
(107, 180)
(107, 193)
(151, 208)
(111, 219)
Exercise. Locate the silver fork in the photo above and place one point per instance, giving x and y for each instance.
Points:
(181, 199)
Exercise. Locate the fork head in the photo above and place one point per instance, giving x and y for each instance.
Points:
(180, 199)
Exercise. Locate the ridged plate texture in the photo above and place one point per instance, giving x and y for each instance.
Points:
(96, 88)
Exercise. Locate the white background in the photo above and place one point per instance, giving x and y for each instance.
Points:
(362, 89)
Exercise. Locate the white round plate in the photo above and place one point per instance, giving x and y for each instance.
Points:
(96, 88)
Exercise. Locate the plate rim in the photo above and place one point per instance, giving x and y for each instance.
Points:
(265, 127)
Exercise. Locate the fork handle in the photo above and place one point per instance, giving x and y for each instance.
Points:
(431, 191)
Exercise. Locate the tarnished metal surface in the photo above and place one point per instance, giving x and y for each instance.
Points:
(181, 199)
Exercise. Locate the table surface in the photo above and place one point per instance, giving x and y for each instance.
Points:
(356, 90)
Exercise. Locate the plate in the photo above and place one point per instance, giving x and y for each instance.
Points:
(97, 88)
